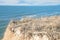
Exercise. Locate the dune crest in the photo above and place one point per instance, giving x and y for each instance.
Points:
(43, 28)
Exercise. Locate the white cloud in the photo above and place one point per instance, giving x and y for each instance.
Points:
(9, 1)
(43, 2)
(29, 2)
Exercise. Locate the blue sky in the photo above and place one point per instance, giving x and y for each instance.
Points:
(29, 2)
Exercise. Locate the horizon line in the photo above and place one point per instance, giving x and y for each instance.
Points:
(28, 4)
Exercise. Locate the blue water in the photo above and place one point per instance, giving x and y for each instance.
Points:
(15, 12)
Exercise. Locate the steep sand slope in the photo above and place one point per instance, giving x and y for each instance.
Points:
(43, 28)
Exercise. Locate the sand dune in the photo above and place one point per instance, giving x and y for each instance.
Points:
(43, 28)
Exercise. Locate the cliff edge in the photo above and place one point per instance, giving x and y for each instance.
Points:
(43, 28)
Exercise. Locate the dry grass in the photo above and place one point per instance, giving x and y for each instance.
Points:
(44, 28)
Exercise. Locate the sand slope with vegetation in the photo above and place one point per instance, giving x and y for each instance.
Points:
(43, 28)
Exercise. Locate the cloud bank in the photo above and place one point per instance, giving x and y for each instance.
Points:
(9, 1)
(29, 2)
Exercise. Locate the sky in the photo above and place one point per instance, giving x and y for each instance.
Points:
(29, 2)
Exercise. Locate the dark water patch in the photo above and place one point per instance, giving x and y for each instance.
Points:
(3, 25)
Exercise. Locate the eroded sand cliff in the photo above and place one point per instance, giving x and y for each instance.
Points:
(43, 28)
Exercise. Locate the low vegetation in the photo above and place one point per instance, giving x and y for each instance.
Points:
(43, 28)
